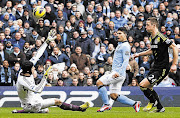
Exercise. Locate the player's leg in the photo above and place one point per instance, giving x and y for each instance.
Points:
(103, 92)
(115, 89)
(146, 87)
(56, 102)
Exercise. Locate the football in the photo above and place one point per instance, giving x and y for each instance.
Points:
(39, 12)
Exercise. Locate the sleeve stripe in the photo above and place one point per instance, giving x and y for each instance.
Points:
(162, 36)
(40, 85)
(26, 81)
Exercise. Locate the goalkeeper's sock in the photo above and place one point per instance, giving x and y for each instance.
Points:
(148, 93)
(72, 107)
(159, 105)
(125, 100)
(103, 93)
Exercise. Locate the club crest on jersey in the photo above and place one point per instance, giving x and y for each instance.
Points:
(157, 40)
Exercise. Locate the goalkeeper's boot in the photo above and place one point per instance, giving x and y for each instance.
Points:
(46, 73)
(137, 106)
(84, 106)
(104, 108)
(158, 110)
(148, 107)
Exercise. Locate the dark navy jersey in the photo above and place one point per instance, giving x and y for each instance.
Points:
(159, 46)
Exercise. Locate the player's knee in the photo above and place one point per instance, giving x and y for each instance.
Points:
(142, 88)
(114, 96)
(57, 102)
(99, 83)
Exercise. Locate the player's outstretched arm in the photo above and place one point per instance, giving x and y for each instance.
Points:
(147, 52)
(40, 51)
(175, 57)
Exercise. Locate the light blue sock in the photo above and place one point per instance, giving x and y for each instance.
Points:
(125, 100)
(103, 94)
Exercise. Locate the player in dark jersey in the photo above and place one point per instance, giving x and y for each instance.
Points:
(160, 69)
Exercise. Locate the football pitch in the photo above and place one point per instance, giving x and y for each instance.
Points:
(116, 112)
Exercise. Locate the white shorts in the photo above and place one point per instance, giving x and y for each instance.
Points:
(115, 84)
(39, 105)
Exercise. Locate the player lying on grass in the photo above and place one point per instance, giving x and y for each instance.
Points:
(116, 78)
(28, 92)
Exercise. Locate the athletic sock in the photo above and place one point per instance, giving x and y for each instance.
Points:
(125, 100)
(72, 107)
(103, 93)
(148, 93)
(159, 105)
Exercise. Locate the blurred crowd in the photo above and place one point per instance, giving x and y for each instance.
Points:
(86, 38)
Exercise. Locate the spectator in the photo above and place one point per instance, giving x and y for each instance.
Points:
(73, 40)
(67, 51)
(58, 57)
(73, 71)
(5, 74)
(111, 49)
(101, 71)
(41, 29)
(59, 42)
(27, 51)
(66, 79)
(106, 9)
(40, 73)
(16, 56)
(49, 14)
(27, 18)
(81, 79)
(63, 34)
(118, 20)
(169, 33)
(79, 59)
(100, 31)
(99, 12)
(87, 72)
(102, 56)
(89, 22)
(74, 82)
(3, 54)
(134, 82)
(129, 5)
(5, 19)
(97, 43)
(49, 48)
(140, 31)
(14, 72)
(80, 7)
(126, 14)
(81, 27)
(134, 66)
(89, 82)
(60, 83)
(91, 34)
(51, 80)
(19, 11)
(33, 37)
(52, 5)
(93, 65)
(85, 43)
(108, 64)
(117, 6)
(18, 40)
(141, 75)
(60, 19)
(95, 76)
(75, 21)
(135, 10)
(90, 11)
(145, 64)
(9, 48)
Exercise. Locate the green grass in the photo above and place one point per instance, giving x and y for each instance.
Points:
(116, 112)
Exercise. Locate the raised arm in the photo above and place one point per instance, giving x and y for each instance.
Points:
(40, 51)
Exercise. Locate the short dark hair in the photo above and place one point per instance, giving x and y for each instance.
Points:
(123, 29)
(26, 67)
(153, 20)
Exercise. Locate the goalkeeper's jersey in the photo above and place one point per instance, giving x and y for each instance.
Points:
(27, 89)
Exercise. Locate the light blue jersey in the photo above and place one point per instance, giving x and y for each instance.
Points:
(121, 58)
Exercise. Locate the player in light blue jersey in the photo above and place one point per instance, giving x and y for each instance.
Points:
(116, 78)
